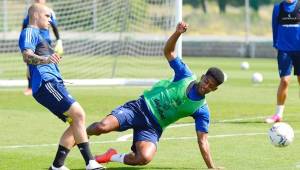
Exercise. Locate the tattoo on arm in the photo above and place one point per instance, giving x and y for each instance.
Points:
(30, 58)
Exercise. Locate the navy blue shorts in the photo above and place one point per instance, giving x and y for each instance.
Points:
(135, 115)
(288, 60)
(55, 97)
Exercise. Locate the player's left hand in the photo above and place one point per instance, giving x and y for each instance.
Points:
(59, 47)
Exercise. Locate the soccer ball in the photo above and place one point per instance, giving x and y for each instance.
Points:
(257, 77)
(245, 65)
(281, 134)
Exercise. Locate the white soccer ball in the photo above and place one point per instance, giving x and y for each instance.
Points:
(281, 134)
(245, 65)
(257, 77)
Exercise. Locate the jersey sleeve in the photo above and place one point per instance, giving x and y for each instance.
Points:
(202, 119)
(180, 68)
(28, 40)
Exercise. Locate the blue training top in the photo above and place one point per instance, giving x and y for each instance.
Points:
(32, 38)
(202, 115)
(286, 36)
(45, 32)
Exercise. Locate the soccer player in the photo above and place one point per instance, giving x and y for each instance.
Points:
(46, 34)
(165, 103)
(48, 88)
(286, 39)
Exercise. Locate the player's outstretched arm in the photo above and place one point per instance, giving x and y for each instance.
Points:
(205, 150)
(30, 58)
(169, 50)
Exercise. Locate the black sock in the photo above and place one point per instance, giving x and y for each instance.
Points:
(85, 152)
(60, 157)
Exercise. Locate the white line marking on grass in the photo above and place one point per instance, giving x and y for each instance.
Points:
(220, 121)
(163, 139)
(215, 136)
(124, 137)
(240, 119)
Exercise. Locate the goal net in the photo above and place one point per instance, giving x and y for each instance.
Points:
(105, 41)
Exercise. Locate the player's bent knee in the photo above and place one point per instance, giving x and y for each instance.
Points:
(76, 112)
(77, 116)
(284, 81)
(144, 160)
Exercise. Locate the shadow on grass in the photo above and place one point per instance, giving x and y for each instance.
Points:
(144, 168)
(141, 168)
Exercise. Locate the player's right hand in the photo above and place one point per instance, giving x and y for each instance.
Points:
(54, 58)
(181, 27)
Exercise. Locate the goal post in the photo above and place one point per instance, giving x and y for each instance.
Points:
(117, 42)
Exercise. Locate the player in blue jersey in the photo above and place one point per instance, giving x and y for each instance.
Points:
(286, 39)
(46, 34)
(48, 88)
(165, 103)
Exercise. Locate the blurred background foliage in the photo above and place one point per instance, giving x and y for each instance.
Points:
(227, 17)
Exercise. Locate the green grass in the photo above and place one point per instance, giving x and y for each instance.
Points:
(24, 122)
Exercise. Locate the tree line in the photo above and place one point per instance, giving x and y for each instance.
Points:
(254, 4)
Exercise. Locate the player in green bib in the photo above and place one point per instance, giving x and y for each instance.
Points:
(165, 103)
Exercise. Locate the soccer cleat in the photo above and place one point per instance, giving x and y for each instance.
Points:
(104, 158)
(93, 165)
(273, 119)
(60, 168)
(28, 92)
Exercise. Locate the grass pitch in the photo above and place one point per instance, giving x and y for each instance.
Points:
(238, 137)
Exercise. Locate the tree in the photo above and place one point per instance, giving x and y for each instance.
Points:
(222, 5)
(204, 6)
(254, 4)
(197, 3)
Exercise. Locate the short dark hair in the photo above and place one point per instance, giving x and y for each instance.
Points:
(216, 73)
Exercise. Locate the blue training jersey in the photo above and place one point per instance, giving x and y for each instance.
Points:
(286, 37)
(44, 32)
(32, 38)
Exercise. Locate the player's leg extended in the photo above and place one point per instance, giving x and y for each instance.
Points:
(283, 90)
(77, 126)
(67, 139)
(108, 124)
(284, 67)
(65, 145)
(77, 114)
(144, 152)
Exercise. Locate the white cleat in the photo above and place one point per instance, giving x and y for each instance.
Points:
(60, 168)
(93, 165)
